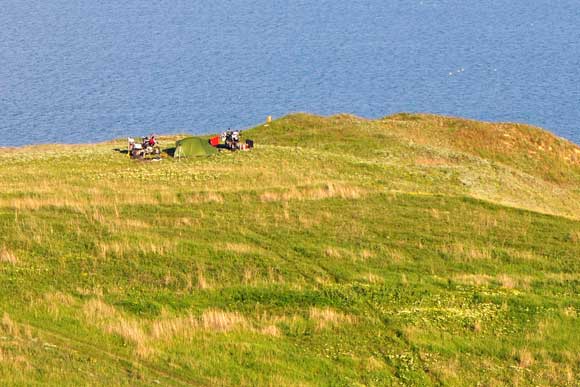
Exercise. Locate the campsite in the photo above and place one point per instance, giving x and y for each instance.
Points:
(445, 255)
(148, 149)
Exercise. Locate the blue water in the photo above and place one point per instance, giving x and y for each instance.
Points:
(86, 70)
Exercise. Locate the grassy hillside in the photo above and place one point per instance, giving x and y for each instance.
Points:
(410, 250)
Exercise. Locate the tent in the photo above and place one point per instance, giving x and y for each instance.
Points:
(193, 146)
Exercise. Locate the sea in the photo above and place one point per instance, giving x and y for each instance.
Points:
(78, 71)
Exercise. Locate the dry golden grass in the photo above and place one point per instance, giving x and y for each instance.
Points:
(308, 221)
(239, 248)
(211, 320)
(60, 195)
(314, 193)
(109, 248)
(184, 222)
(544, 328)
(431, 161)
(97, 311)
(54, 301)
(373, 278)
(529, 148)
(506, 281)
(275, 277)
(18, 362)
(12, 328)
(270, 330)
(8, 326)
(435, 213)
(570, 312)
(329, 318)
(525, 255)
(119, 223)
(569, 375)
(525, 358)
(205, 197)
(467, 253)
(8, 256)
(366, 254)
(563, 277)
(485, 221)
(126, 247)
(220, 321)
(249, 276)
(555, 373)
(397, 256)
(333, 252)
(143, 334)
(323, 280)
(474, 279)
(37, 203)
(202, 282)
(447, 369)
(98, 292)
(512, 282)
(373, 364)
(59, 298)
(270, 196)
(131, 331)
(167, 328)
(146, 334)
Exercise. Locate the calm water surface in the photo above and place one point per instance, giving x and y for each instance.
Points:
(85, 70)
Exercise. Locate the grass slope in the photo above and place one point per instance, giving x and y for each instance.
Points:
(410, 250)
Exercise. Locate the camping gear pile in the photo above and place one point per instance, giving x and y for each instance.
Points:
(148, 148)
(231, 140)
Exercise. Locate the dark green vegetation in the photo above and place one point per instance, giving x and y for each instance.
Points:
(413, 250)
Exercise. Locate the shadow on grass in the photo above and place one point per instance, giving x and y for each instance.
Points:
(169, 151)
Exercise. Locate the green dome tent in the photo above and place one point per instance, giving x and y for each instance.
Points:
(193, 146)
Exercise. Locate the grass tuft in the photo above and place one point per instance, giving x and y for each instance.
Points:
(525, 358)
(8, 256)
(8, 326)
(221, 321)
(329, 318)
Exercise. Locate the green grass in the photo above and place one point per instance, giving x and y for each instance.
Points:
(410, 250)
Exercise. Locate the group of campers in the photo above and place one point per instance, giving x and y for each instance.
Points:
(231, 140)
(149, 148)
